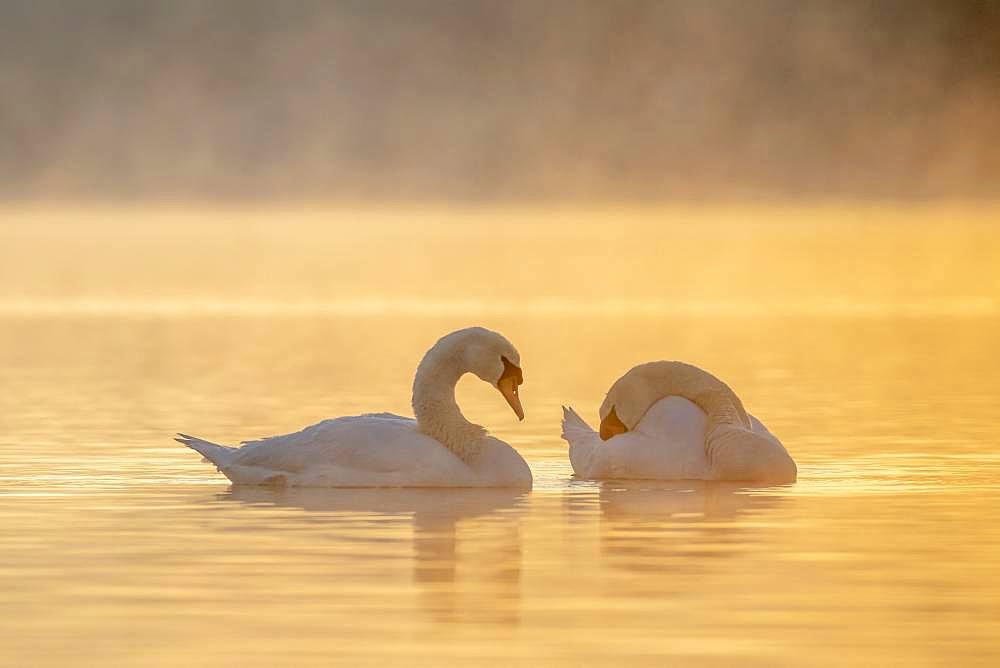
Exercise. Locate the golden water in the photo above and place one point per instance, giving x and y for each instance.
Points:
(866, 339)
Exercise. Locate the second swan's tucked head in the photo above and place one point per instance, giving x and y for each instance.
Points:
(630, 397)
(488, 355)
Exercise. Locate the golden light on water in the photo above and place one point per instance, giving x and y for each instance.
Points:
(864, 336)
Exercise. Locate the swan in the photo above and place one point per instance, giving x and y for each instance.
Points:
(440, 448)
(673, 421)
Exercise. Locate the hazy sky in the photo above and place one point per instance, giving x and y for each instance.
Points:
(498, 100)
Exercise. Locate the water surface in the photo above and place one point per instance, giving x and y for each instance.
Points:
(868, 344)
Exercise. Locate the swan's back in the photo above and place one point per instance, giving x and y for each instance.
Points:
(375, 450)
(670, 440)
(667, 444)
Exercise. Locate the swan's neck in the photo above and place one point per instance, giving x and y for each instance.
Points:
(711, 395)
(435, 407)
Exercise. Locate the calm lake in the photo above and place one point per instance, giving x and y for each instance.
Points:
(865, 338)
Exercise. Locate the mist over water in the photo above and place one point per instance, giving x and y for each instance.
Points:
(498, 100)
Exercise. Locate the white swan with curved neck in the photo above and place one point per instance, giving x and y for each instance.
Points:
(440, 448)
(674, 421)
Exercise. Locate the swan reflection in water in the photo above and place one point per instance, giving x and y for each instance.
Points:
(687, 527)
(463, 574)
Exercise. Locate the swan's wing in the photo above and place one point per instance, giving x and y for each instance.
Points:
(365, 450)
(322, 428)
(754, 455)
(758, 428)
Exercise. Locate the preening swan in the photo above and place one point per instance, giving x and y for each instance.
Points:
(671, 420)
(438, 449)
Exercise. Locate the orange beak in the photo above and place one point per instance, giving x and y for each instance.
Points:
(611, 425)
(508, 388)
(511, 378)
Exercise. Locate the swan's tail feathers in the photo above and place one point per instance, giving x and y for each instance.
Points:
(573, 426)
(217, 454)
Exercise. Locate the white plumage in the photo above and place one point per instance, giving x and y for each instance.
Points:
(668, 444)
(442, 449)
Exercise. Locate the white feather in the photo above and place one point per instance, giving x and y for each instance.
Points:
(386, 450)
(667, 444)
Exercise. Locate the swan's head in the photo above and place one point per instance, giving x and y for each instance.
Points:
(629, 399)
(494, 360)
